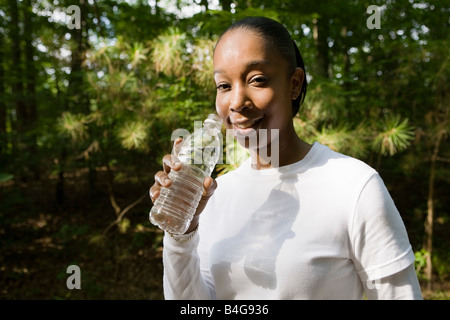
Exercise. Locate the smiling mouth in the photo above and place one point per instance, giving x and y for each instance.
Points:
(247, 124)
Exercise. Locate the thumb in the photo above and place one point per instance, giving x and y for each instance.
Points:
(177, 145)
(209, 186)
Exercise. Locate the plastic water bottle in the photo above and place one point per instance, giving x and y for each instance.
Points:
(176, 205)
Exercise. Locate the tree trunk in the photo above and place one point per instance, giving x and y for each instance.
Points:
(80, 101)
(428, 239)
(3, 137)
(60, 183)
(21, 116)
(205, 4)
(79, 98)
(30, 70)
(320, 34)
(30, 89)
(59, 188)
(16, 72)
(226, 5)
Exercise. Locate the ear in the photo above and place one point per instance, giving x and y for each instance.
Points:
(297, 82)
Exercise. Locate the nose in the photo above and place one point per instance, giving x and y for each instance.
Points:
(239, 99)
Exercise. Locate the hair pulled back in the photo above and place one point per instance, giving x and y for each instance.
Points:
(277, 36)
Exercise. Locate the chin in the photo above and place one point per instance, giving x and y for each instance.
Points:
(257, 139)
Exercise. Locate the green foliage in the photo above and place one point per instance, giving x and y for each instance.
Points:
(4, 177)
(69, 232)
(420, 261)
(133, 135)
(395, 135)
(169, 53)
(107, 98)
(73, 125)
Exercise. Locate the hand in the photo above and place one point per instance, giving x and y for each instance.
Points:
(162, 180)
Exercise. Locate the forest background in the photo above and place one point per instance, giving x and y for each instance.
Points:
(87, 111)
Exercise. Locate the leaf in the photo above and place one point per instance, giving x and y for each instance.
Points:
(395, 136)
(123, 225)
(133, 135)
(202, 63)
(73, 125)
(138, 55)
(4, 177)
(167, 52)
(344, 139)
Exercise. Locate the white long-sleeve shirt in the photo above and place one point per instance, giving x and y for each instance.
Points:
(322, 228)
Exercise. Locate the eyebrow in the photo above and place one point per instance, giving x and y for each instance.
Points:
(249, 65)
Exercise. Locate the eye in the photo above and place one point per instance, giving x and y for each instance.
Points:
(223, 86)
(259, 80)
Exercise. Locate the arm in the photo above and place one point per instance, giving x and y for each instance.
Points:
(185, 258)
(182, 276)
(382, 253)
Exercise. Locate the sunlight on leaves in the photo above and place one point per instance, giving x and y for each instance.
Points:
(202, 63)
(123, 225)
(395, 136)
(73, 125)
(167, 52)
(133, 135)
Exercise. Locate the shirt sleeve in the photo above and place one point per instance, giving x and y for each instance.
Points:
(380, 243)
(182, 278)
(402, 285)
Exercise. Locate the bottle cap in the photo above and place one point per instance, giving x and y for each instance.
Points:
(214, 119)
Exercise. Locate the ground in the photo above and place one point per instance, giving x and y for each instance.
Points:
(40, 240)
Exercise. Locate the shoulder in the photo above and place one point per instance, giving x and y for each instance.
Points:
(338, 165)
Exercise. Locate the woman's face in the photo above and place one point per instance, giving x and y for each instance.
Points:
(255, 89)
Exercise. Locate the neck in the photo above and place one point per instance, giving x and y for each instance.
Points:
(286, 149)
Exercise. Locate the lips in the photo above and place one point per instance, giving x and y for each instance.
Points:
(243, 126)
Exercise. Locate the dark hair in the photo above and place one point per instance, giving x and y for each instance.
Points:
(278, 37)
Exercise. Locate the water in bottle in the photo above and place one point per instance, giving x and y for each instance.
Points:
(176, 205)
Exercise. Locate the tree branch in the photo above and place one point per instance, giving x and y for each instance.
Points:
(123, 212)
(442, 159)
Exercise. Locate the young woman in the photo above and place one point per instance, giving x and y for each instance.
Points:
(314, 224)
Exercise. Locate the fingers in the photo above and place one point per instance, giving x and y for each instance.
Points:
(178, 140)
(161, 180)
(162, 177)
(177, 145)
(171, 162)
(154, 192)
(209, 185)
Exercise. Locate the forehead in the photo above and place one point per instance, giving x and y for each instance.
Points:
(242, 44)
